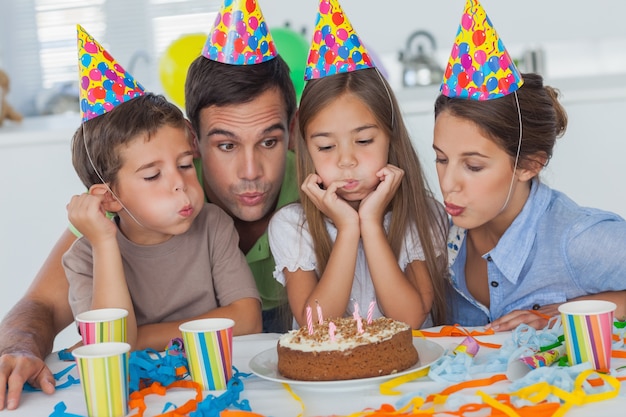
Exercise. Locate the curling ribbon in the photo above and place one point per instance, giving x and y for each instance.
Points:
(456, 330)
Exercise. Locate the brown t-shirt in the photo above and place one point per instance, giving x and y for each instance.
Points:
(188, 275)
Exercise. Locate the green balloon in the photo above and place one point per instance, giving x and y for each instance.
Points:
(294, 49)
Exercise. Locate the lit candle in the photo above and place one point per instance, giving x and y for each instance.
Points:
(320, 317)
(309, 319)
(331, 331)
(370, 311)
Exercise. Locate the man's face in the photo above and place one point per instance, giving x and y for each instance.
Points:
(243, 149)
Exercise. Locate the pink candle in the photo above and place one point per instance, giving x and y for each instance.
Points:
(370, 311)
(357, 318)
(309, 319)
(331, 331)
(320, 317)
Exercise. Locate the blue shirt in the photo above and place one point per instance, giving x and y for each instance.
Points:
(553, 251)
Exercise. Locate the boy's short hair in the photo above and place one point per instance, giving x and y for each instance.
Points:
(96, 143)
(210, 83)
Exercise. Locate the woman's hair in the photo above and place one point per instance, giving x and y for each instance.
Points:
(96, 143)
(543, 119)
(413, 204)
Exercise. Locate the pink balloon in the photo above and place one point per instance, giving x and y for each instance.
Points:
(480, 57)
(467, 21)
(253, 22)
(317, 36)
(455, 51)
(504, 61)
(324, 7)
(91, 47)
(342, 34)
(95, 74)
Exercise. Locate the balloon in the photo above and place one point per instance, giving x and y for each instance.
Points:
(174, 63)
(294, 49)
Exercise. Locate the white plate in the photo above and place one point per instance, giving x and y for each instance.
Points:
(265, 365)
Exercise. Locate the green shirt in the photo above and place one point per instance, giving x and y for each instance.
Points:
(259, 257)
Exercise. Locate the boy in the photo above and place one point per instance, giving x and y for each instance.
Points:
(167, 257)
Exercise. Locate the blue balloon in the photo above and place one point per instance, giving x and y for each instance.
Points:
(263, 28)
(253, 42)
(452, 82)
(325, 30)
(457, 69)
(356, 56)
(492, 83)
(478, 78)
(343, 52)
(463, 48)
(103, 67)
(494, 64)
(355, 40)
(85, 60)
(238, 16)
(264, 47)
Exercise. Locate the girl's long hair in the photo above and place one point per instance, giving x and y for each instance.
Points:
(412, 206)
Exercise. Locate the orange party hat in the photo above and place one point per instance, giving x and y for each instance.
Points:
(335, 48)
(480, 67)
(103, 83)
(240, 35)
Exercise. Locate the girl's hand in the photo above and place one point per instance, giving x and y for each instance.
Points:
(86, 214)
(373, 206)
(328, 202)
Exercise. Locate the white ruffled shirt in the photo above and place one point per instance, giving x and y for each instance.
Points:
(292, 247)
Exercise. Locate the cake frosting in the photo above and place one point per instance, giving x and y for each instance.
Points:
(383, 347)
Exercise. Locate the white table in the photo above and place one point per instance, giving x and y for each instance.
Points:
(272, 399)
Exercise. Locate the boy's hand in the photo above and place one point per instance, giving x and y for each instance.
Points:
(86, 214)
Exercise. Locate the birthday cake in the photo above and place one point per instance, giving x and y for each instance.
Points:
(341, 349)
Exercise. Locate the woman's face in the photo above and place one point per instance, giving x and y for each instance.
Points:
(474, 173)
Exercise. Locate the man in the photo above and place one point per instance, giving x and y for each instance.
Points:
(242, 116)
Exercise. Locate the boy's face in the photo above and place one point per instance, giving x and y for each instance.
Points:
(158, 185)
(244, 148)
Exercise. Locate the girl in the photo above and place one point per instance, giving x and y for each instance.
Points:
(367, 228)
(516, 245)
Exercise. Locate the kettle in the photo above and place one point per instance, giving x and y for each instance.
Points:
(419, 65)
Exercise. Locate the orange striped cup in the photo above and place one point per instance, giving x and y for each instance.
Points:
(102, 325)
(103, 372)
(209, 349)
(588, 331)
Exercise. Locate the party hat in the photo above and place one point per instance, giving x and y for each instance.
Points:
(336, 47)
(480, 67)
(240, 35)
(103, 83)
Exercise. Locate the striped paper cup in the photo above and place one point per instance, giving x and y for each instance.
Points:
(103, 372)
(102, 325)
(588, 329)
(209, 348)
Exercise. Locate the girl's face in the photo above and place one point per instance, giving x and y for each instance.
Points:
(346, 144)
(474, 173)
(158, 185)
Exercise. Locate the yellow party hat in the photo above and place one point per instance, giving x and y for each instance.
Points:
(103, 83)
(480, 67)
(336, 47)
(240, 35)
